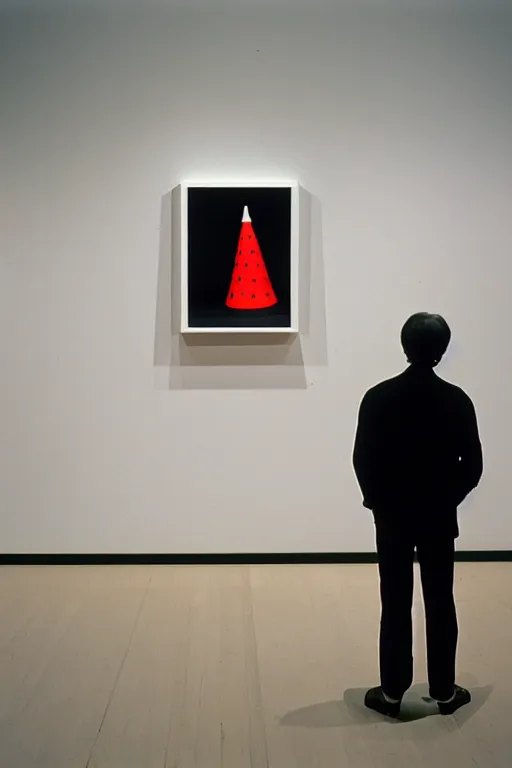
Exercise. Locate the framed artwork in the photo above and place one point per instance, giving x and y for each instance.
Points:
(239, 257)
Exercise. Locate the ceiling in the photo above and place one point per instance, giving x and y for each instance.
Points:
(239, 5)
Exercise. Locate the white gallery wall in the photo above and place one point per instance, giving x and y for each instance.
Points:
(116, 435)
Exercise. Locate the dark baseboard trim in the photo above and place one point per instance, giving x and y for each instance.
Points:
(483, 556)
(347, 558)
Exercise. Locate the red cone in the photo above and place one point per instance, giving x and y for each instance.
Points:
(250, 284)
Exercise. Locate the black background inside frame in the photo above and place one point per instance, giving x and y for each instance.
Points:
(214, 222)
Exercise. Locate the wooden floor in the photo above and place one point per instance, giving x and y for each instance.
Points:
(239, 667)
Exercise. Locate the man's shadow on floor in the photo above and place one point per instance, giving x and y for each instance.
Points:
(416, 705)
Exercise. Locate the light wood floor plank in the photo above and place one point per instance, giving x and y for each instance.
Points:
(136, 723)
(63, 710)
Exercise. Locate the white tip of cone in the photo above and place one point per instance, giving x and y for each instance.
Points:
(246, 216)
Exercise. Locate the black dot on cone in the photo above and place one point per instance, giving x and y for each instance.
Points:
(253, 296)
(246, 264)
(239, 279)
(254, 279)
(232, 295)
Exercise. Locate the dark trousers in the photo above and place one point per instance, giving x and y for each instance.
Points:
(395, 548)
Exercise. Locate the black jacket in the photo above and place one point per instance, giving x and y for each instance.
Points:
(417, 451)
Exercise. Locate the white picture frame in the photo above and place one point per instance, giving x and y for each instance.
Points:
(183, 240)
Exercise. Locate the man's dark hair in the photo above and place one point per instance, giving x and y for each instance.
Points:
(425, 339)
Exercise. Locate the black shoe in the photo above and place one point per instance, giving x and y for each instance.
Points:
(375, 700)
(462, 697)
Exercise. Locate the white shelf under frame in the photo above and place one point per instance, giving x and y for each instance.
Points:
(294, 187)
